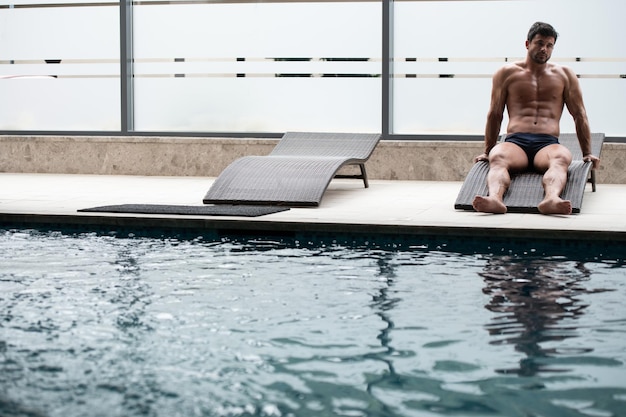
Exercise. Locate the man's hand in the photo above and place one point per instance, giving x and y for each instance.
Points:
(483, 157)
(593, 159)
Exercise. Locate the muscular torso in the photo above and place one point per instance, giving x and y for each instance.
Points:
(535, 100)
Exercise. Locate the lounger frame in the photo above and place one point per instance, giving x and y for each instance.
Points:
(296, 173)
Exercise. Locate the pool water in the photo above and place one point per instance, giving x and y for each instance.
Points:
(93, 324)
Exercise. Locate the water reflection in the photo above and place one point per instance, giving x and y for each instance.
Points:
(382, 304)
(538, 303)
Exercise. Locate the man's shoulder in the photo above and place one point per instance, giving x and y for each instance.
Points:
(521, 66)
(558, 68)
(508, 71)
(511, 67)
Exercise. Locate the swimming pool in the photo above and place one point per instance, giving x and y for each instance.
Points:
(97, 324)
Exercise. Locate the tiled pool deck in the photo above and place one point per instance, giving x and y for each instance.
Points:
(391, 207)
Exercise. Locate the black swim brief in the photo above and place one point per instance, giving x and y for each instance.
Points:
(531, 143)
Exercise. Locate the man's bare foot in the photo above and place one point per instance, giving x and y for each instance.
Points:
(555, 206)
(488, 204)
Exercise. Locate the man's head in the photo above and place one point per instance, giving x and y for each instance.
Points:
(541, 28)
(540, 42)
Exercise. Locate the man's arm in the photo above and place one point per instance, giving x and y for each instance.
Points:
(574, 101)
(495, 113)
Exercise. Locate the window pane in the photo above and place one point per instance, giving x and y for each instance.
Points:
(258, 67)
(59, 67)
(445, 53)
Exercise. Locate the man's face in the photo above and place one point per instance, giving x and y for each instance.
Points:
(540, 48)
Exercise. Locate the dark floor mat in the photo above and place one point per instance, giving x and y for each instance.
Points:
(207, 210)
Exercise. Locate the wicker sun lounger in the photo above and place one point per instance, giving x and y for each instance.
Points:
(296, 172)
(526, 189)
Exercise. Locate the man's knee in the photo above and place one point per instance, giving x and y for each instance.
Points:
(563, 161)
(560, 162)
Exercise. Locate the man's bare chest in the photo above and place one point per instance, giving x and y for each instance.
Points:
(536, 88)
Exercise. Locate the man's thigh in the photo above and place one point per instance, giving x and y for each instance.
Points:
(509, 155)
(551, 154)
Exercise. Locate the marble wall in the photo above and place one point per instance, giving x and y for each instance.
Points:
(175, 156)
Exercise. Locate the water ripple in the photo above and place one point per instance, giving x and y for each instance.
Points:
(102, 325)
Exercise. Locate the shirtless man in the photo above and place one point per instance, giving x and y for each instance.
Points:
(534, 93)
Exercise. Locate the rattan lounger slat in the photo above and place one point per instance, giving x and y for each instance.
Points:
(296, 173)
(526, 189)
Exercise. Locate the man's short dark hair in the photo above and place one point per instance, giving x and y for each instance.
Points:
(543, 29)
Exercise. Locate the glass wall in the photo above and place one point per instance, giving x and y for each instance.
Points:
(445, 53)
(59, 65)
(257, 67)
(244, 67)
